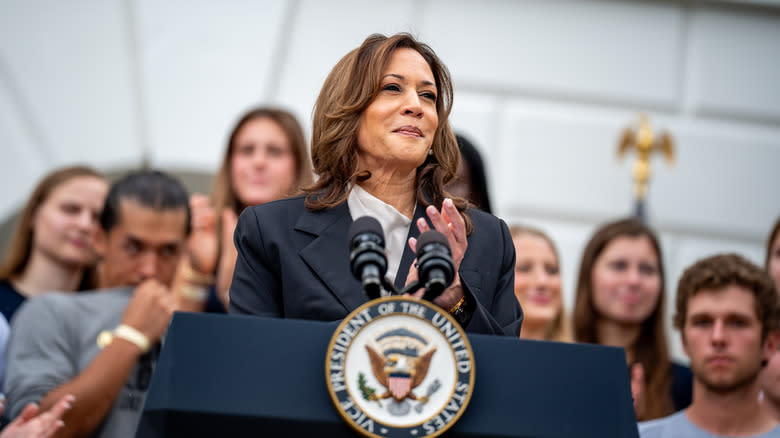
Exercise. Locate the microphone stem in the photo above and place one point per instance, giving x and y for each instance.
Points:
(411, 287)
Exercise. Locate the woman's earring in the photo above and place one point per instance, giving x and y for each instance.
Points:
(430, 151)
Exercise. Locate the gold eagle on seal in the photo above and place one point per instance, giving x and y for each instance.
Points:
(400, 367)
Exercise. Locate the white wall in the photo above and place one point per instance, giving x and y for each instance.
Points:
(543, 87)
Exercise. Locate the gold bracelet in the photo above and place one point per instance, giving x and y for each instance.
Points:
(457, 306)
(194, 293)
(191, 276)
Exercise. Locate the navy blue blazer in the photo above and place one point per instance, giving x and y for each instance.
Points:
(294, 263)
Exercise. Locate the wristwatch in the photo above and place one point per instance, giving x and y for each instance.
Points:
(459, 312)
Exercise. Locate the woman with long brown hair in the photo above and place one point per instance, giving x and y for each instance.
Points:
(620, 301)
(266, 159)
(381, 146)
(51, 248)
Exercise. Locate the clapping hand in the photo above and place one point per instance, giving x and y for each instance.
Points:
(31, 424)
(202, 242)
(450, 223)
(637, 372)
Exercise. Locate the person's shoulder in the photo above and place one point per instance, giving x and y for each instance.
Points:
(272, 218)
(682, 385)
(281, 208)
(102, 297)
(6, 287)
(483, 219)
(9, 292)
(481, 215)
(46, 300)
(66, 303)
(487, 226)
(48, 307)
(680, 369)
(10, 299)
(662, 427)
(774, 433)
(291, 203)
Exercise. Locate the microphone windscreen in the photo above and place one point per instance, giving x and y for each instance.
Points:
(366, 224)
(431, 236)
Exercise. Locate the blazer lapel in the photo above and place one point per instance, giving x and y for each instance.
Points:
(408, 256)
(328, 254)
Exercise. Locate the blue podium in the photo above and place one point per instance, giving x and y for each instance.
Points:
(221, 375)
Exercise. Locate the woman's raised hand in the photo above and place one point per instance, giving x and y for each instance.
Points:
(228, 255)
(202, 242)
(450, 223)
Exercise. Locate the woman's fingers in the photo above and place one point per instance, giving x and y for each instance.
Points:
(229, 222)
(53, 428)
(411, 276)
(454, 220)
(198, 200)
(203, 217)
(29, 411)
(450, 223)
(413, 244)
(438, 222)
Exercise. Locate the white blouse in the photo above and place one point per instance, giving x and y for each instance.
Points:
(394, 224)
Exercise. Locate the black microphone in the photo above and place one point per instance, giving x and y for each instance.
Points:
(434, 263)
(367, 254)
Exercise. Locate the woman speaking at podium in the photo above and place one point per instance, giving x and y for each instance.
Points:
(381, 146)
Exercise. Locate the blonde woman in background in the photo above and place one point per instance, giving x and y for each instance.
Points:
(538, 286)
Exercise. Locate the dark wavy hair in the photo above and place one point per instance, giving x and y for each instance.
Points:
(470, 157)
(351, 86)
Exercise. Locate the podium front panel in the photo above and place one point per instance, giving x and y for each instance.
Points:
(228, 375)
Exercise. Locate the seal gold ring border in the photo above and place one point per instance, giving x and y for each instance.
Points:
(333, 393)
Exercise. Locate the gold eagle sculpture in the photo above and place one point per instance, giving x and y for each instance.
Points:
(645, 142)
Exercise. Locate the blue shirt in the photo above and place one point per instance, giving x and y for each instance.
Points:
(678, 425)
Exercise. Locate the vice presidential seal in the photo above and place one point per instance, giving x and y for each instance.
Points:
(400, 367)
